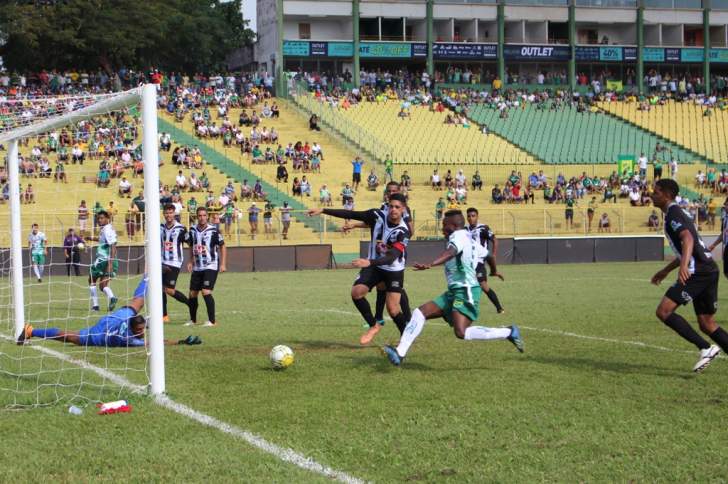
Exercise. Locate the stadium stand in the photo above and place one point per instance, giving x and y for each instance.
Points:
(565, 136)
(415, 134)
(698, 127)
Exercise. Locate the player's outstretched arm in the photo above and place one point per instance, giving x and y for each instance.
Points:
(446, 255)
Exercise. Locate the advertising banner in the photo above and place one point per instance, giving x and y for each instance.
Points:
(536, 52)
(296, 48)
(613, 54)
(653, 54)
(391, 50)
(341, 49)
(464, 51)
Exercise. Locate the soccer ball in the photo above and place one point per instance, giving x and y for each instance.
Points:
(281, 357)
(80, 246)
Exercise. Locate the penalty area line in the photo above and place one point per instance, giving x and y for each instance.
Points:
(281, 453)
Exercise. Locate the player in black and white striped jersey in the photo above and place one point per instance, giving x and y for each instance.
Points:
(208, 255)
(391, 188)
(385, 262)
(173, 235)
(485, 238)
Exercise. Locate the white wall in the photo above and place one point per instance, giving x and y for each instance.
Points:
(317, 8)
(267, 39)
(717, 35)
(419, 29)
(555, 14)
(387, 9)
(601, 15)
(672, 35)
(514, 32)
(674, 16)
(321, 28)
(536, 32)
(620, 34)
(654, 34)
(442, 11)
(489, 26)
(442, 30)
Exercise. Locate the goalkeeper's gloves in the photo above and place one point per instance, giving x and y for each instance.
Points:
(190, 340)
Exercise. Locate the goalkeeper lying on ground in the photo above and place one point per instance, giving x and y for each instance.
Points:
(124, 327)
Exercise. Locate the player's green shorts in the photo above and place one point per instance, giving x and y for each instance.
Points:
(38, 259)
(99, 269)
(456, 299)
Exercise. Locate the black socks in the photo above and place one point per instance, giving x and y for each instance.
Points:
(366, 310)
(681, 327)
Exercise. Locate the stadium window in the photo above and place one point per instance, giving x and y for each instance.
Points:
(304, 31)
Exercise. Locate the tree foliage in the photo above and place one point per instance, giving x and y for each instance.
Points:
(178, 35)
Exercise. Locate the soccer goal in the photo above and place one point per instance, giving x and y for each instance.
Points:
(80, 190)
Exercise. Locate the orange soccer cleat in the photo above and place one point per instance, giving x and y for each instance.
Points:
(367, 337)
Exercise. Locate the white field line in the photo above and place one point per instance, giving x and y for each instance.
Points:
(281, 453)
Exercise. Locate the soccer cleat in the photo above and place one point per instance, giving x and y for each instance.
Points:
(25, 334)
(40, 280)
(706, 357)
(501, 311)
(112, 303)
(209, 324)
(95, 308)
(165, 319)
(392, 355)
(515, 338)
(367, 337)
(191, 323)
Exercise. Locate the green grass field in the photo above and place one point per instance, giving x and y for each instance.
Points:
(586, 402)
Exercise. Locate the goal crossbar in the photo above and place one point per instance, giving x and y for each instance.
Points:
(113, 103)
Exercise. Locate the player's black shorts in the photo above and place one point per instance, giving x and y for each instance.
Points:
(725, 261)
(169, 276)
(371, 276)
(570, 214)
(203, 280)
(701, 289)
(356, 177)
(481, 273)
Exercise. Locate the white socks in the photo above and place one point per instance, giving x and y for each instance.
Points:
(94, 296)
(483, 333)
(108, 292)
(37, 271)
(411, 332)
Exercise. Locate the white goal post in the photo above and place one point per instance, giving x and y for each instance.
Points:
(146, 96)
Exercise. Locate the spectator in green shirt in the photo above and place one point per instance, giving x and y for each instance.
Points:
(439, 209)
(388, 169)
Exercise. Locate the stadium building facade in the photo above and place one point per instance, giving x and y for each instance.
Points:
(507, 39)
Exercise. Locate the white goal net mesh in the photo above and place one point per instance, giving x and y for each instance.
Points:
(75, 155)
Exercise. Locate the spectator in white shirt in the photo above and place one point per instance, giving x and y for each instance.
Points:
(181, 181)
(125, 187)
(642, 162)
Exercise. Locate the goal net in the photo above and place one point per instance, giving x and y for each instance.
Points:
(80, 201)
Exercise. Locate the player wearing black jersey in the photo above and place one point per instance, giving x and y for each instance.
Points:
(385, 262)
(207, 257)
(697, 279)
(723, 237)
(390, 189)
(488, 245)
(174, 234)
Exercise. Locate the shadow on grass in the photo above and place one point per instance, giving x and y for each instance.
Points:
(613, 366)
(319, 345)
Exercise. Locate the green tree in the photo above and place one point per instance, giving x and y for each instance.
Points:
(187, 35)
